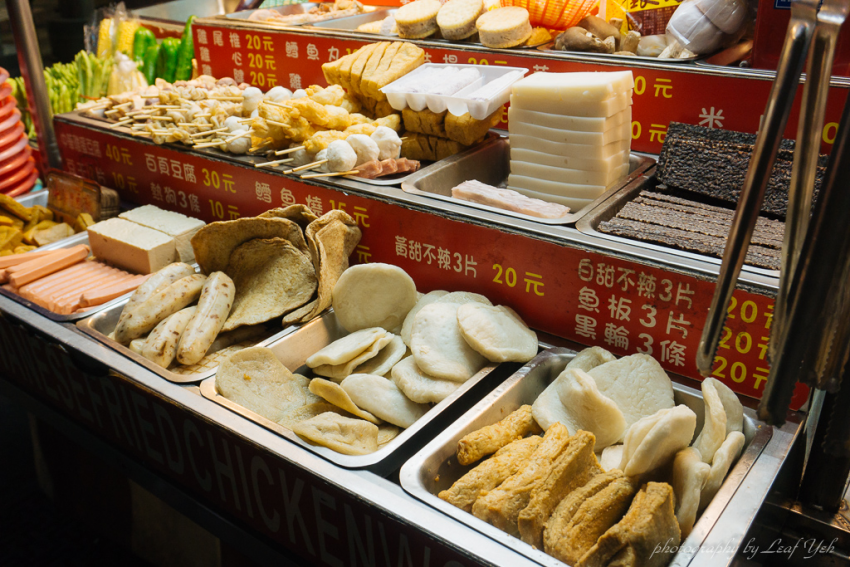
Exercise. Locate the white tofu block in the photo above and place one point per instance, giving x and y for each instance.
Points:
(604, 177)
(557, 188)
(580, 109)
(571, 87)
(621, 132)
(576, 150)
(180, 227)
(574, 123)
(575, 204)
(569, 162)
(130, 246)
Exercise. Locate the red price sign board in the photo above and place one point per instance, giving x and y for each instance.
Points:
(590, 297)
(663, 93)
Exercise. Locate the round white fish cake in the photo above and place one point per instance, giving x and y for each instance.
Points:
(342, 350)
(418, 386)
(333, 393)
(382, 398)
(423, 300)
(438, 346)
(373, 295)
(339, 371)
(342, 434)
(384, 361)
(497, 333)
(462, 297)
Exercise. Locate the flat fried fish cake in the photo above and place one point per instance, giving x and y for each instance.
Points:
(491, 438)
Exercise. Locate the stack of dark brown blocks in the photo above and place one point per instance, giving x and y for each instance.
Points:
(702, 171)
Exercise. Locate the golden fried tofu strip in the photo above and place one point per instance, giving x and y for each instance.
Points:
(573, 468)
(491, 438)
(491, 473)
(560, 518)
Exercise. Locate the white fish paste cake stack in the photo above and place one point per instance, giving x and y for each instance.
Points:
(570, 135)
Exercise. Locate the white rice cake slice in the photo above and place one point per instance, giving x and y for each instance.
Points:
(554, 188)
(418, 386)
(579, 109)
(373, 295)
(565, 149)
(381, 364)
(439, 347)
(348, 347)
(565, 88)
(424, 300)
(569, 162)
(574, 204)
(497, 333)
(571, 176)
(342, 434)
(382, 398)
(615, 134)
(573, 123)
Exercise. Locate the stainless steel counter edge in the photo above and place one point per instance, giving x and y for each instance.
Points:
(377, 491)
(552, 233)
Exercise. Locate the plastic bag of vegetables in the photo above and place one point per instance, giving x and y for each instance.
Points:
(125, 76)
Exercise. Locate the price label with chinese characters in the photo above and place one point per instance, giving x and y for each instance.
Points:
(592, 298)
(662, 95)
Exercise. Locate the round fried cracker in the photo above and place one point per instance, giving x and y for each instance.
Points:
(438, 346)
(497, 333)
(373, 295)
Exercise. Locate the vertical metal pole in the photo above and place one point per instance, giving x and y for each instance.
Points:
(32, 69)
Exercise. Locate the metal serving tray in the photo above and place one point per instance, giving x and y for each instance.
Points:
(549, 48)
(602, 212)
(435, 467)
(71, 241)
(293, 350)
(34, 198)
(351, 23)
(490, 163)
(290, 9)
(100, 325)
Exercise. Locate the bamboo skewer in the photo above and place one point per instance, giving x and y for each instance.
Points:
(123, 122)
(230, 98)
(335, 174)
(272, 163)
(242, 135)
(164, 106)
(208, 132)
(208, 145)
(288, 151)
(162, 118)
(111, 112)
(123, 105)
(140, 111)
(308, 166)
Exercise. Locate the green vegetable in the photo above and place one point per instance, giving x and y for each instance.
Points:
(142, 39)
(149, 66)
(186, 53)
(166, 64)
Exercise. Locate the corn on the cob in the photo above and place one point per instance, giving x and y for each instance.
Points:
(105, 45)
(126, 32)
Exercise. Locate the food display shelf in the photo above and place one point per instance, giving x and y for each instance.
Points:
(100, 325)
(489, 163)
(293, 351)
(435, 467)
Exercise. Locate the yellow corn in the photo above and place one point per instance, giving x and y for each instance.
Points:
(126, 32)
(104, 38)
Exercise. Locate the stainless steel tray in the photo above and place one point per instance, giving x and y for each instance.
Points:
(435, 467)
(490, 163)
(606, 211)
(290, 9)
(549, 48)
(99, 326)
(32, 199)
(71, 241)
(293, 350)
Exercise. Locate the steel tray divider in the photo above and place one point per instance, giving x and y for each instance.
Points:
(489, 163)
(607, 210)
(292, 350)
(433, 468)
(95, 325)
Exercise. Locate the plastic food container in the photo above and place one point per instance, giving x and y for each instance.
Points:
(480, 99)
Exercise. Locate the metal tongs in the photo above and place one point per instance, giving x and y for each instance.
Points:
(811, 31)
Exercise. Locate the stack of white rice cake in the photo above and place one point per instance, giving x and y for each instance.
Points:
(570, 135)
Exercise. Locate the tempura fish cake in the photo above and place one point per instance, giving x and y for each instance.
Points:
(491, 438)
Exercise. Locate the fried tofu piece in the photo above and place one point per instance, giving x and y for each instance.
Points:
(392, 121)
(383, 108)
(369, 86)
(10, 237)
(25, 213)
(566, 509)
(492, 438)
(631, 542)
(490, 473)
(573, 468)
(357, 69)
(595, 516)
(348, 62)
(425, 122)
(429, 148)
(331, 71)
(408, 58)
(501, 507)
(466, 130)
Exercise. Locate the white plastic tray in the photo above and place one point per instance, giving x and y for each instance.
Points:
(461, 102)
